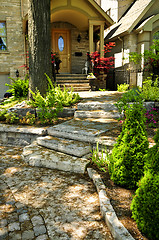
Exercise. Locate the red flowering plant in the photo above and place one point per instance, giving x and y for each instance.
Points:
(102, 63)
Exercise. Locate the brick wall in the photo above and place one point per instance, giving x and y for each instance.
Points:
(13, 58)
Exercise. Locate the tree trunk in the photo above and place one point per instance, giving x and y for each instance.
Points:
(39, 44)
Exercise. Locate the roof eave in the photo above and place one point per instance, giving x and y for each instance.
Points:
(140, 17)
(109, 20)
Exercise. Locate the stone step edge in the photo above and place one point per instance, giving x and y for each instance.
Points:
(37, 156)
(7, 128)
(118, 231)
(67, 146)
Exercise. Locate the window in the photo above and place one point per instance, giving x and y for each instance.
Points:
(61, 43)
(3, 38)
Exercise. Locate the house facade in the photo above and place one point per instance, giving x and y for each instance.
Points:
(73, 27)
(136, 26)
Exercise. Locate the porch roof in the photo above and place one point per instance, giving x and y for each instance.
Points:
(78, 13)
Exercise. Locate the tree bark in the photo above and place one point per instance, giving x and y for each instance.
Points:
(39, 44)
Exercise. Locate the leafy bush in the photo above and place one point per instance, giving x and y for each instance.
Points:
(150, 89)
(28, 119)
(11, 117)
(145, 204)
(19, 87)
(127, 159)
(132, 95)
(152, 157)
(122, 87)
(2, 115)
(53, 102)
(151, 58)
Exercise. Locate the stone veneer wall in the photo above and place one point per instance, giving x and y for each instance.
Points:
(77, 62)
(13, 58)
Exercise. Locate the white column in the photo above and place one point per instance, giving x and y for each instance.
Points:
(102, 40)
(90, 38)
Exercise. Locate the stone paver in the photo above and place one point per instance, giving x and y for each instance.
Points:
(38, 203)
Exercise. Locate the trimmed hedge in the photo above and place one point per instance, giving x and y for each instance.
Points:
(127, 159)
(145, 204)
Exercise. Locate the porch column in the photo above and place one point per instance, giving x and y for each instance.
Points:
(90, 37)
(102, 40)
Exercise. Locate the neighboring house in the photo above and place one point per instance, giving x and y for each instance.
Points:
(138, 23)
(73, 24)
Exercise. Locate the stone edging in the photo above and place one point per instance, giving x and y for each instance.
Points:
(116, 228)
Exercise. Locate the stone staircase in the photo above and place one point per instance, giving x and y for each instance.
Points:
(67, 146)
(78, 82)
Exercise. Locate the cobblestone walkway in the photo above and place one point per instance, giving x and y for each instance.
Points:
(37, 203)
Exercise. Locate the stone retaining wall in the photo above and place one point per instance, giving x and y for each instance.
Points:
(19, 135)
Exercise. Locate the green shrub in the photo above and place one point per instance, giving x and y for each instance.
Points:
(150, 89)
(53, 102)
(132, 95)
(127, 159)
(47, 107)
(152, 157)
(11, 118)
(19, 87)
(122, 87)
(29, 118)
(145, 206)
(2, 115)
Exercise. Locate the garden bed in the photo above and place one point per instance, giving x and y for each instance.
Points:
(121, 198)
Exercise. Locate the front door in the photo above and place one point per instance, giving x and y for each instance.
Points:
(61, 45)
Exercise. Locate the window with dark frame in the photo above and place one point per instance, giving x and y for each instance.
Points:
(3, 36)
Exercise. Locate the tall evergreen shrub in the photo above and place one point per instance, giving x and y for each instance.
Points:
(145, 204)
(127, 159)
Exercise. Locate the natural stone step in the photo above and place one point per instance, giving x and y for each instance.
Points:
(76, 85)
(71, 147)
(77, 89)
(97, 114)
(81, 130)
(95, 105)
(70, 75)
(39, 156)
(68, 80)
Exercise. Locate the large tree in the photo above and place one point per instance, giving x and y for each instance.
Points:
(39, 44)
